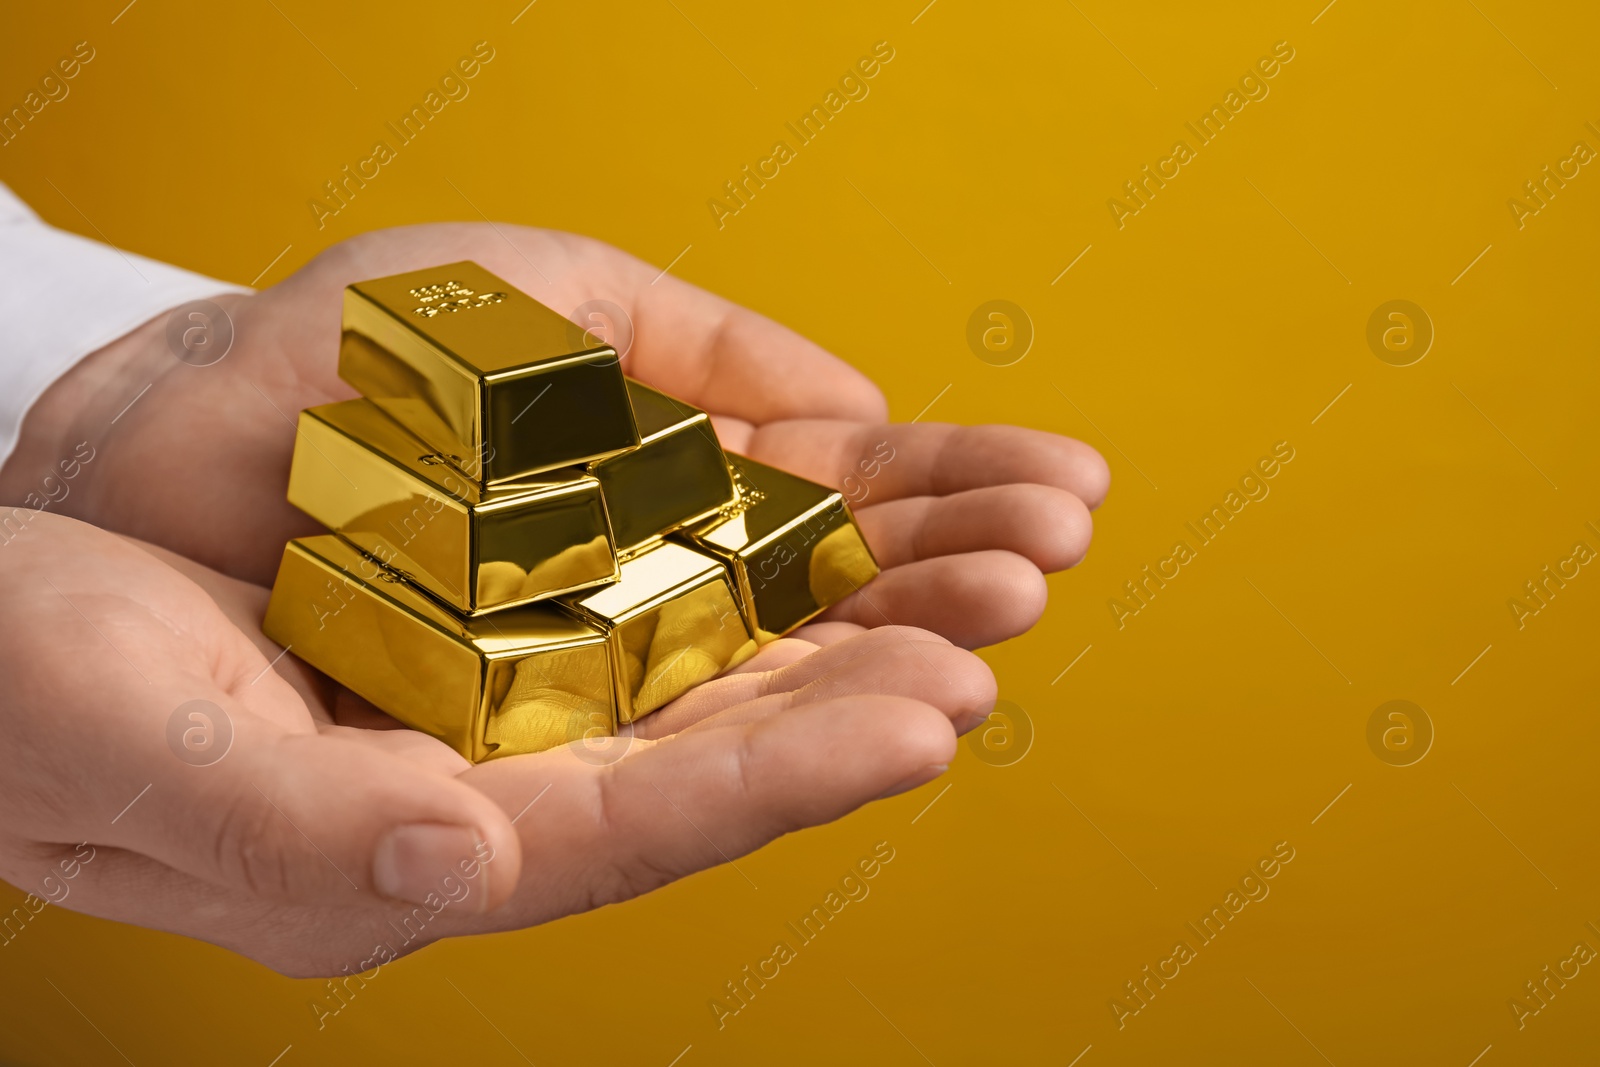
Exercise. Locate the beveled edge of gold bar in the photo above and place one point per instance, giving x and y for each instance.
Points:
(738, 558)
(491, 649)
(684, 580)
(658, 595)
(485, 514)
(366, 424)
(370, 437)
(667, 426)
(662, 412)
(333, 557)
(456, 383)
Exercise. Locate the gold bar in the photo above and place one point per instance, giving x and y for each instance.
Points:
(520, 681)
(678, 475)
(673, 621)
(493, 380)
(792, 545)
(360, 474)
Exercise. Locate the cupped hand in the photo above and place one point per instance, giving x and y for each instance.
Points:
(160, 765)
(964, 520)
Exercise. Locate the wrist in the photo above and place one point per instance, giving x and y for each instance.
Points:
(56, 424)
(76, 417)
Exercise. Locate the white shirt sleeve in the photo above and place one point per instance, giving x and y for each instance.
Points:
(62, 297)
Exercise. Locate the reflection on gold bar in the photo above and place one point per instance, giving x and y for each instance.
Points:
(677, 476)
(493, 380)
(674, 622)
(363, 476)
(518, 681)
(793, 546)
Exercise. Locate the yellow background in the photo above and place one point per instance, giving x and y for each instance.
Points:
(1223, 318)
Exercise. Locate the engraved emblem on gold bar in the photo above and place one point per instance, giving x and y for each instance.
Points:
(678, 475)
(366, 478)
(483, 372)
(673, 621)
(793, 546)
(522, 680)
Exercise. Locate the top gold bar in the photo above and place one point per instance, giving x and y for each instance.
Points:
(499, 384)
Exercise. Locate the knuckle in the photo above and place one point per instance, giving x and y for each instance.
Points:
(249, 850)
(633, 867)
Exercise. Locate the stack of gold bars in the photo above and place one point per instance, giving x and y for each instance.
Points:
(529, 548)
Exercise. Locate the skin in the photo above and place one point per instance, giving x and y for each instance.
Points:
(964, 520)
(154, 599)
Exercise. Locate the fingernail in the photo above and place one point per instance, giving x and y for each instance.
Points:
(412, 862)
(922, 777)
(971, 722)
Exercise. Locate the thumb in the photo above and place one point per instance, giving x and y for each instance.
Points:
(306, 817)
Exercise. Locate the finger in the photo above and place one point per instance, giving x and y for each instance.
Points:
(598, 835)
(708, 350)
(930, 459)
(966, 693)
(827, 633)
(732, 688)
(889, 661)
(974, 599)
(1049, 527)
(709, 797)
(779, 653)
(296, 940)
(222, 793)
(727, 358)
(314, 818)
(689, 342)
(145, 720)
(796, 645)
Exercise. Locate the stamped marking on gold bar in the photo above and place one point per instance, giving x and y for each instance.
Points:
(745, 496)
(458, 356)
(450, 296)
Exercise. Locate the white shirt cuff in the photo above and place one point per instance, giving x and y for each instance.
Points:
(63, 296)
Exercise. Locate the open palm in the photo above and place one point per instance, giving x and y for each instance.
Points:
(315, 835)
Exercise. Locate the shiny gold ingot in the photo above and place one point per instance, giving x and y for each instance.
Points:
(673, 621)
(792, 545)
(495, 382)
(678, 475)
(366, 478)
(522, 680)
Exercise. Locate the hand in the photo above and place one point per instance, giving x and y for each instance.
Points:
(964, 520)
(324, 830)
